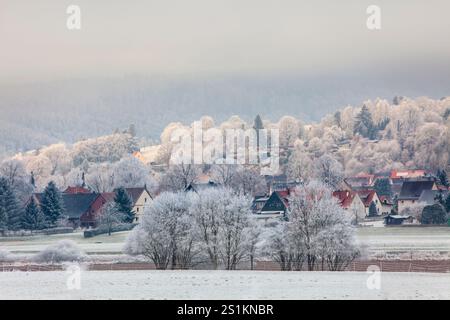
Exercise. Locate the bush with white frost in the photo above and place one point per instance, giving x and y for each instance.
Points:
(5, 256)
(63, 251)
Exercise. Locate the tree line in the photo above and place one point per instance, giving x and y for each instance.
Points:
(216, 227)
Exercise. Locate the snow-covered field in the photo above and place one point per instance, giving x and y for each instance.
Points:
(101, 244)
(417, 241)
(432, 242)
(222, 285)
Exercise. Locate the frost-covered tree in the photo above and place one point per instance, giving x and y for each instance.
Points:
(14, 172)
(130, 172)
(52, 204)
(313, 213)
(100, 177)
(329, 171)
(414, 210)
(110, 217)
(222, 225)
(338, 247)
(224, 174)
(300, 165)
(110, 148)
(248, 181)
(179, 177)
(289, 130)
(165, 234)
(285, 247)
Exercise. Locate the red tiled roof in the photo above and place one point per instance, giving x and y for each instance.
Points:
(385, 199)
(76, 190)
(366, 196)
(399, 174)
(345, 197)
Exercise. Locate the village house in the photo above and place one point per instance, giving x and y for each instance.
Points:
(368, 197)
(412, 190)
(362, 180)
(430, 197)
(75, 204)
(83, 207)
(386, 205)
(140, 198)
(275, 205)
(279, 182)
(351, 202)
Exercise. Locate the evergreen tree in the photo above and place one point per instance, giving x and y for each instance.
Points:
(364, 124)
(373, 210)
(394, 209)
(33, 219)
(52, 205)
(258, 124)
(3, 209)
(443, 178)
(10, 213)
(446, 113)
(439, 198)
(447, 203)
(32, 180)
(124, 205)
(383, 187)
(338, 119)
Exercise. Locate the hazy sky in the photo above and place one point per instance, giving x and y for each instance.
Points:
(220, 36)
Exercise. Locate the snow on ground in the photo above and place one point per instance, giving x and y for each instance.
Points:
(392, 242)
(396, 239)
(102, 244)
(222, 285)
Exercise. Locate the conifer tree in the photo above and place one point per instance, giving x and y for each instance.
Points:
(10, 213)
(364, 124)
(33, 218)
(124, 205)
(443, 178)
(373, 210)
(52, 205)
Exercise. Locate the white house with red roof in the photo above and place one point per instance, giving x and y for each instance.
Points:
(368, 197)
(352, 203)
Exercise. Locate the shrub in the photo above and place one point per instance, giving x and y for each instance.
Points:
(434, 214)
(64, 250)
(5, 256)
(102, 230)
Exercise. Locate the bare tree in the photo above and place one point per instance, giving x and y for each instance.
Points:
(110, 216)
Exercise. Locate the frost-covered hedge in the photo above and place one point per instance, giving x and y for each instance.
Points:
(63, 251)
(98, 231)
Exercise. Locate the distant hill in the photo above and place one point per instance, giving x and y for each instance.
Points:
(33, 115)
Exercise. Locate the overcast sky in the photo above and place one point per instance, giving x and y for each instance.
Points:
(220, 36)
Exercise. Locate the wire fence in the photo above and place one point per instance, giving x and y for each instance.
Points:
(427, 266)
